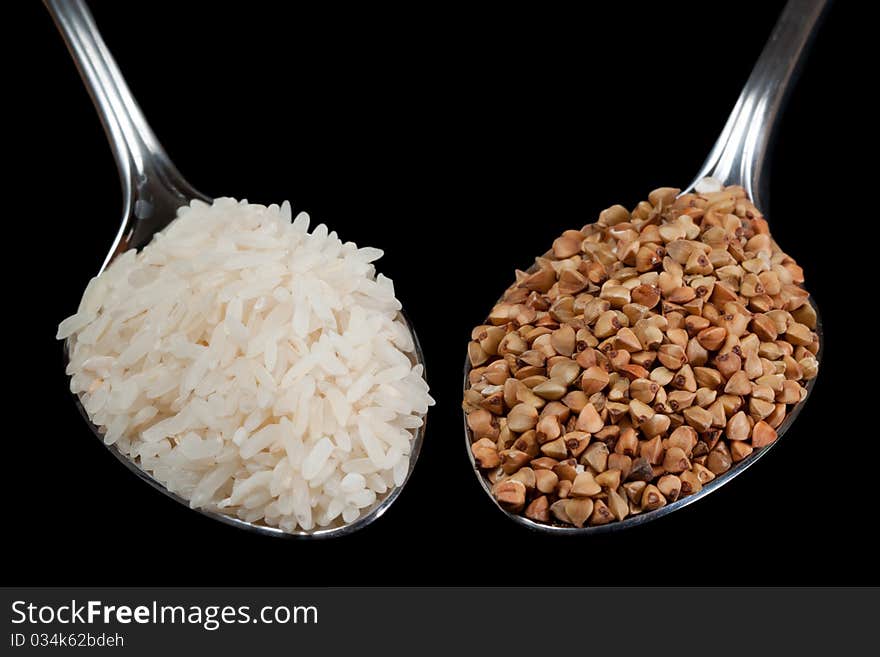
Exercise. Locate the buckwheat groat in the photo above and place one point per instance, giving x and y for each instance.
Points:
(642, 356)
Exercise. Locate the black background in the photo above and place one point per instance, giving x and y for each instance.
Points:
(460, 142)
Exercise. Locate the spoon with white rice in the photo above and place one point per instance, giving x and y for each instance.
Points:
(257, 372)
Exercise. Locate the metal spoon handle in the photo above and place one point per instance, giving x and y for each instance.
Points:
(738, 156)
(132, 140)
(152, 188)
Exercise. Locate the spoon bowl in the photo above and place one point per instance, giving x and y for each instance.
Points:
(379, 507)
(152, 191)
(642, 518)
(738, 158)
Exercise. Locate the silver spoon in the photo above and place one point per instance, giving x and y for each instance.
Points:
(152, 191)
(738, 158)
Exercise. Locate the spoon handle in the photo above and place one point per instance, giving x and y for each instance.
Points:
(739, 155)
(152, 188)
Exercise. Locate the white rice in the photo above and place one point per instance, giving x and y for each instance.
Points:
(252, 367)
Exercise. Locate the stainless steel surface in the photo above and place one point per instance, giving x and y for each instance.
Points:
(152, 188)
(740, 154)
(152, 191)
(738, 157)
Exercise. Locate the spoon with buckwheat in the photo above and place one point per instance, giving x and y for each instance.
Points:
(650, 357)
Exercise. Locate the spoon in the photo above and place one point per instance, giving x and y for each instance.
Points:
(738, 158)
(152, 191)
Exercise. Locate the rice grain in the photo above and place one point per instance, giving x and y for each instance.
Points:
(252, 367)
